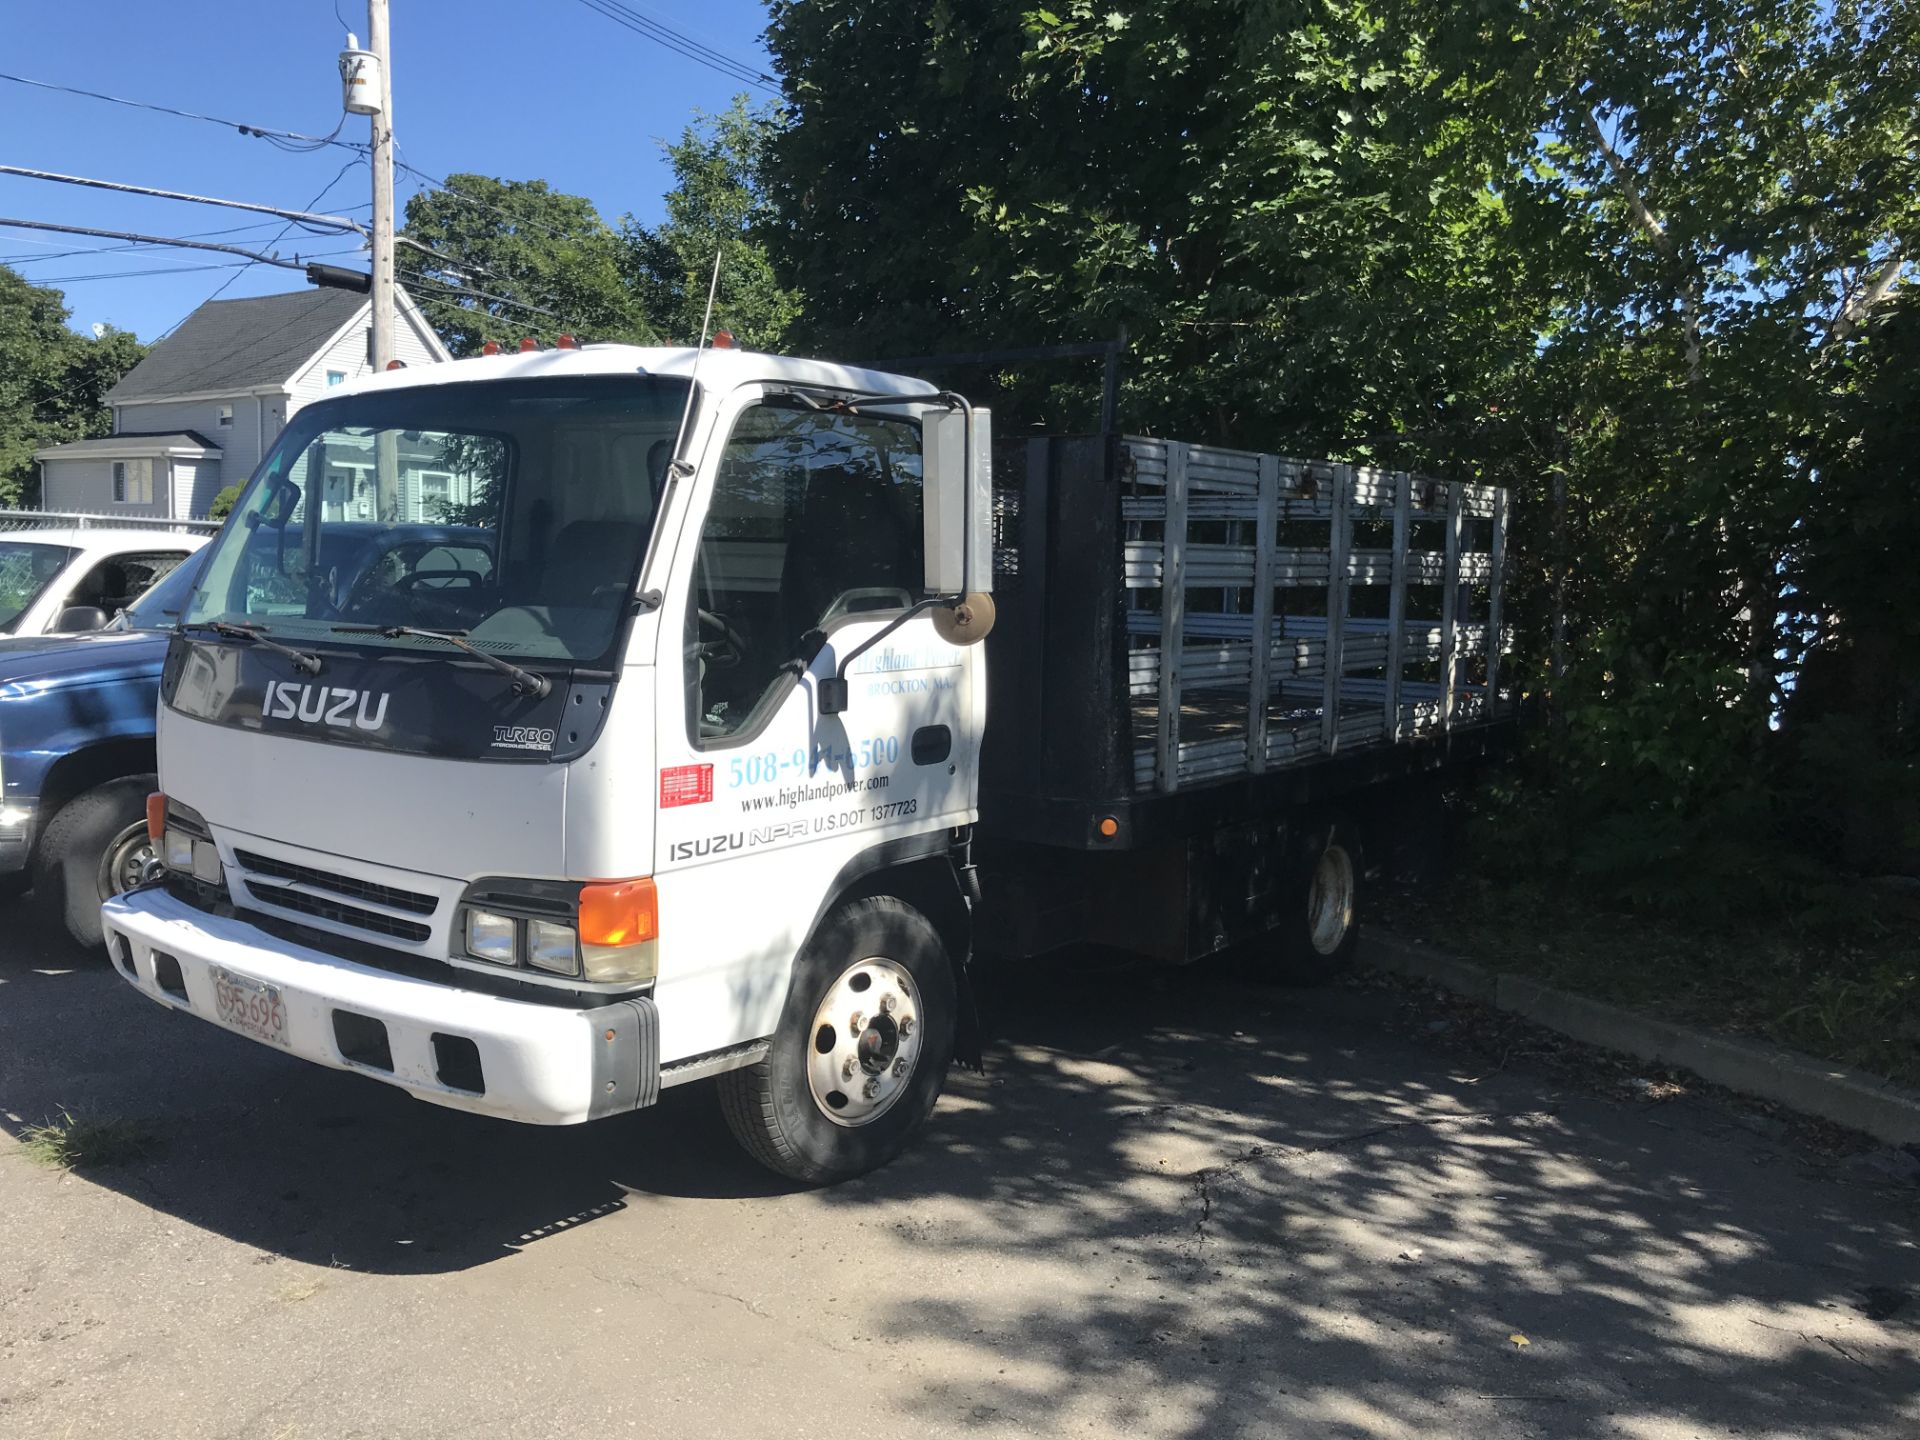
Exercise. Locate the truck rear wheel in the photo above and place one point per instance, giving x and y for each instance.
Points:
(1320, 926)
(95, 846)
(861, 1052)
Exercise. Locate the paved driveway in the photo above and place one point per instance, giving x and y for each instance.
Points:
(1193, 1209)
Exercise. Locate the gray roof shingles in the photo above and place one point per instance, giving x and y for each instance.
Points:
(162, 440)
(238, 344)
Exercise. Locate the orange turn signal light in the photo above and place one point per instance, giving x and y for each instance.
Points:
(1109, 827)
(156, 816)
(619, 912)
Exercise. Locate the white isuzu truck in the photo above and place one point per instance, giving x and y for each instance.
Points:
(550, 728)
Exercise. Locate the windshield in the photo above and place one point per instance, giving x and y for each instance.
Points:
(516, 512)
(26, 569)
(164, 601)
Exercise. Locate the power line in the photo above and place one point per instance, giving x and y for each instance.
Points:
(419, 278)
(227, 284)
(289, 140)
(175, 269)
(139, 245)
(298, 217)
(479, 204)
(683, 45)
(253, 256)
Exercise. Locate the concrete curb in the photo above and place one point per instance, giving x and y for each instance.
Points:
(1888, 1112)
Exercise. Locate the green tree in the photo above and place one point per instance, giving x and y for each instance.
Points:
(52, 381)
(1288, 209)
(716, 204)
(1629, 259)
(222, 504)
(531, 261)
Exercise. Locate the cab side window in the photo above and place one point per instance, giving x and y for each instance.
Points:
(119, 580)
(814, 517)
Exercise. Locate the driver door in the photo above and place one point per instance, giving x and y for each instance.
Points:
(809, 543)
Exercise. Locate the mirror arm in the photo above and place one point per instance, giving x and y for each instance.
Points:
(832, 689)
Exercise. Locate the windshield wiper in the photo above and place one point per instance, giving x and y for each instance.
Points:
(305, 663)
(525, 682)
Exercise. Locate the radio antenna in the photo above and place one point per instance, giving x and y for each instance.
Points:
(680, 466)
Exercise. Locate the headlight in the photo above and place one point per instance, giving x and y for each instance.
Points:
(179, 851)
(552, 947)
(190, 855)
(605, 932)
(635, 964)
(490, 936)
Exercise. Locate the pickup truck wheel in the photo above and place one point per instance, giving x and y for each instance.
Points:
(861, 1052)
(93, 848)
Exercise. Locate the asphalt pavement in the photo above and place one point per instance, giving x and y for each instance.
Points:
(1177, 1205)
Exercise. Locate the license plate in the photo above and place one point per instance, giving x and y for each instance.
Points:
(250, 1006)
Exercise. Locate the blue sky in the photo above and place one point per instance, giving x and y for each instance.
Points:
(521, 89)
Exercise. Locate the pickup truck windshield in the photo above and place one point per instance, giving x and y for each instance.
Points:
(514, 512)
(26, 569)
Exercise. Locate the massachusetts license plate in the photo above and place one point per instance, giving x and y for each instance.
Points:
(250, 1006)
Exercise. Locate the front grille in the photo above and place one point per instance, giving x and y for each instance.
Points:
(408, 900)
(321, 909)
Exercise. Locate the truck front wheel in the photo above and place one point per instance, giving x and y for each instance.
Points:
(861, 1052)
(95, 847)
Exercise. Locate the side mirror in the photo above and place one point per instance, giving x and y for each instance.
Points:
(958, 500)
(76, 619)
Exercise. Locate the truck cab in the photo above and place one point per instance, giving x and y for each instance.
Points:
(633, 741)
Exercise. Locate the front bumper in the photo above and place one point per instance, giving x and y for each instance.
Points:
(541, 1064)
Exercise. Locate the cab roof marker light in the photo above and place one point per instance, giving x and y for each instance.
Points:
(492, 347)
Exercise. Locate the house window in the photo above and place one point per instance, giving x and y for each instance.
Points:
(436, 493)
(226, 415)
(336, 377)
(133, 482)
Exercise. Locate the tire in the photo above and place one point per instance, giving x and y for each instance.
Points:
(1320, 927)
(85, 853)
(784, 1110)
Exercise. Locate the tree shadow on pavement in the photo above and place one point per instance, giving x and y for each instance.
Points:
(1174, 1206)
(1197, 1211)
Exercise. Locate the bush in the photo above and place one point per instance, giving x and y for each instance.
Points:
(223, 503)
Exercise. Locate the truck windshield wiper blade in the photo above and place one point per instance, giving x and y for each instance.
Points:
(525, 682)
(307, 664)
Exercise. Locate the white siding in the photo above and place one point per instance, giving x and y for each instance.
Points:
(85, 486)
(195, 483)
(347, 355)
(413, 342)
(239, 449)
(416, 343)
(208, 481)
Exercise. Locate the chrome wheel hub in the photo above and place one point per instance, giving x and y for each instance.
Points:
(125, 863)
(865, 1042)
(1330, 900)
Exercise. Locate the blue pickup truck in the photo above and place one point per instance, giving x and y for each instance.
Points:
(77, 710)
(76, 757)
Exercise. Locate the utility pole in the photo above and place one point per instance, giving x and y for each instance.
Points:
(382, 127)
(386, 458)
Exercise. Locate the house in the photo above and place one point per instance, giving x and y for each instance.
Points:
(205, 404)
